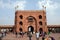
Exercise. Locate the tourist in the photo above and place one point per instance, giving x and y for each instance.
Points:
(46, 39)
(37, 35)
(0, 36)
(52, 38)
(21, 33)
(29, 35)
(16, 34)
(43, 38)
(43, 34)
(49, 38)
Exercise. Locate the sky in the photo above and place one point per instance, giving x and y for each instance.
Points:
(7, 10)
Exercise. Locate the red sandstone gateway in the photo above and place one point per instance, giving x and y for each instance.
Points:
(33, 19)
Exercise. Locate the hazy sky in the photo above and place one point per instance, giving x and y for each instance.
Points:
(7, 10)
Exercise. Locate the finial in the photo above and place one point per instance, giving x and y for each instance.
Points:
(44, 7)
(16, 7)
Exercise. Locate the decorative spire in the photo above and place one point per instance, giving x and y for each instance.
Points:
(44, 7)
(16, 7)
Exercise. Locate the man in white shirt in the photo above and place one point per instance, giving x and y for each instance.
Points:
(37, 35)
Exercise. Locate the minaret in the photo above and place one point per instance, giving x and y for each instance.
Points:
(44, 9)
(16, 7)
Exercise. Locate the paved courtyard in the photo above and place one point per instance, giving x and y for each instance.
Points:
(56, 36)
(12, 36)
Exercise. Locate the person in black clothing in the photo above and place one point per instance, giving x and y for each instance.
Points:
(43, 38)
(0, 36)
(29, 35)
(51, 38)
(16, 34)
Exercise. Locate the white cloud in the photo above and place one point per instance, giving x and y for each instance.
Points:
(51, 10)
(11, 4)
(4, 5)
(1, 4)
(50, 5)
(21, 5)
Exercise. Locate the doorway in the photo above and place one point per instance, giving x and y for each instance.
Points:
(31, 29)
(40, 30)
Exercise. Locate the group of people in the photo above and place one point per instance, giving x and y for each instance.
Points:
(40, 34)
(43, 35)
(19, 34)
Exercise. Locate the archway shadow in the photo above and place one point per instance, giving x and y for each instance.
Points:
(31, 29)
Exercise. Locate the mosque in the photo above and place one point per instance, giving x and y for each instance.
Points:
(30, 20)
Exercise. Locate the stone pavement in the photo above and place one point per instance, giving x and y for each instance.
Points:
(12, 36)
(56, 36)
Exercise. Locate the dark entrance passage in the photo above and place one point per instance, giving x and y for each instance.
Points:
(40, 30)
(31, 29)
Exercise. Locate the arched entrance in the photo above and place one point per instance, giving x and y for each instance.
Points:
(40, 30)
(31, 29)
(32, 20)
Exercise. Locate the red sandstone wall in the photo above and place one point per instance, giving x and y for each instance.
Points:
(26, 14)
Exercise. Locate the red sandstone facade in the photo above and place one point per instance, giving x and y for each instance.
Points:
(36, 19)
